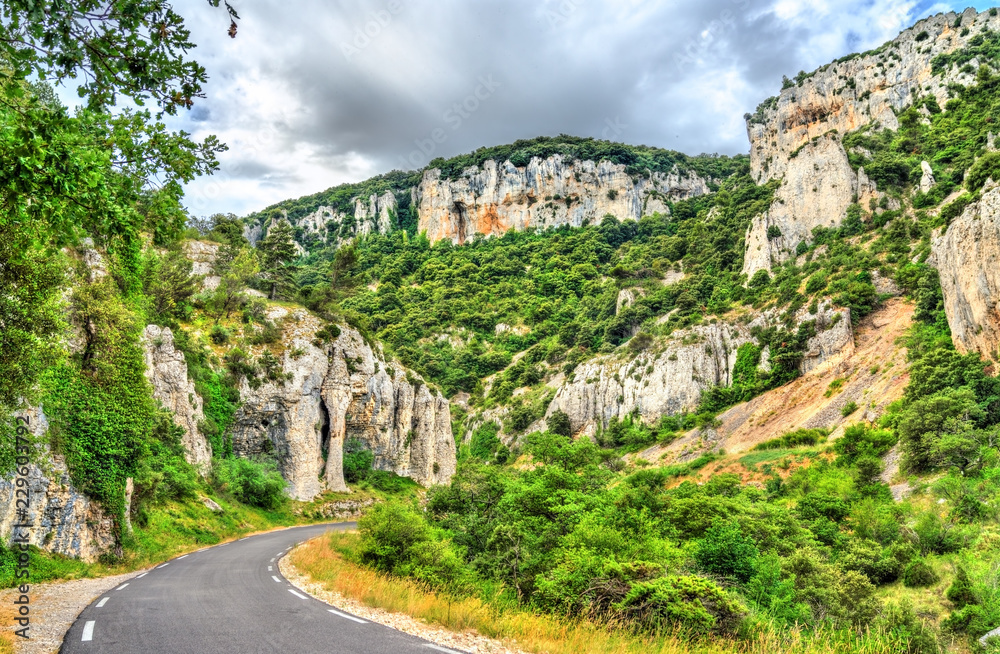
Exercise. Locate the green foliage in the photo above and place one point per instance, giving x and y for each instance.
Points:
(986, 167)
(797, 438)
(558, 423)
(690, 604)
(861, 441)
(254, 482)
(358, 460)
(277, 252)
(918, 575)
(725, 550)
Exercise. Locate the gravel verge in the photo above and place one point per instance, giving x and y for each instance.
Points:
(468, 641)
(54, 607)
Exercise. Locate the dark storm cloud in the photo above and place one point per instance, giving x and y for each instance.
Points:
(312, 94)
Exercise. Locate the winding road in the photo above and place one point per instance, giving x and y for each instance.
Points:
(229, 599)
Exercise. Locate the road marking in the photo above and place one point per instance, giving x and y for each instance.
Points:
(88, 630)
(272, 560)
(276, 579)
(442, 649)
(163, 566)
(348, 617)
(270, 568)
(121, 587)
(182, 557)
(142, 575)
(103, 602)
(297, 594)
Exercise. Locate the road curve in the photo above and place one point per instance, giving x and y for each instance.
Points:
(229, 599)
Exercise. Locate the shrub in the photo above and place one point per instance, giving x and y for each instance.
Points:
(358, 460)
(797, 438)
(961, 592)
(986, 167)
(254, 482)
(773, 232)
(690, 603)
(558, 423)
(219, 335)
(918, 575)
(725, 550)
(849, 408)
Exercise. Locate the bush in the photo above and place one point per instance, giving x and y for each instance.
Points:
(558, 423)
(254, 482)
(849, 408)
(724, 550)
(219, 335)
(986, 167)
(358, 460)
(918, 575)
(690, 603)
(961, 592)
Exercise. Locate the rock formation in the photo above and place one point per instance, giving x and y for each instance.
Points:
(372, 215)
(967, 255)
(166, 371)
(341, 391)
(668, 378)
(62, 519)
(824, 106)
(545, 193)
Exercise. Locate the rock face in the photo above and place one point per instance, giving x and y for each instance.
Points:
(818, 187)
(166, 371)
(339, 392)
(836, 99)
(669, 378)
(545, 193)
(202, 255)
(61, 519)
(967, 256)
(372, 215)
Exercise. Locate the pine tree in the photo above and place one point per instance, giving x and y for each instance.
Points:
(277, 252)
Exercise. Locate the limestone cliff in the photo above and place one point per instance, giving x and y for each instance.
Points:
(60, 518)
(374, 214)
(546, 193)
(795, 136)
(339, 391)
(167, 372)
(669, 377)
(967, 255)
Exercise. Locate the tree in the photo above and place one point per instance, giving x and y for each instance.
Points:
(926, 420)
(277, 252)
(229, 295)
(168, 283)
(343, 265)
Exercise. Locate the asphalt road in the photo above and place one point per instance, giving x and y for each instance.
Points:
(229, 599)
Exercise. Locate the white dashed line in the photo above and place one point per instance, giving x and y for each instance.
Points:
(442, 649)
(297, 594)
(270, 568)
(103, 602)
(142, 575)
(183, 557)
(122, 586)
(272, 560)
(88, 631)
(163, 566)
(276, 579)
(347, 617)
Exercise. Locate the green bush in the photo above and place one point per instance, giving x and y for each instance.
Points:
(986, 167)
(254, 482)
(358, 460)
(219, 335)
(691, 604)
(918, 575)
(725, 550)
(849, 408)
(558, 423)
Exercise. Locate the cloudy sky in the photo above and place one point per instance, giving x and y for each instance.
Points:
(316, 93)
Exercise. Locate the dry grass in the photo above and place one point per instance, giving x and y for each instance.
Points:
(321, 559)
(7, 637)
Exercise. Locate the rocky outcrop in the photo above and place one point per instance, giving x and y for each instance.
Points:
(824, 106)
(546, 193)
(372, 215)
(818, 187)
(336, 392)
(669, 377)
(167, 372)
(58, 517)
(967, 256)
(202, 255)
